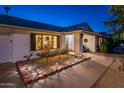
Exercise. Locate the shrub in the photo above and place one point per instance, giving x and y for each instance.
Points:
(103, 48)
(64, 51)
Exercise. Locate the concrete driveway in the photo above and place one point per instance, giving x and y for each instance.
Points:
(83, 75)
(119, 49)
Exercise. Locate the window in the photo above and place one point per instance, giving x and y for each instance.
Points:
(38, 41)
(55, 41)
(42, 42)
(33, 40)
(47, 42)
(100, 40)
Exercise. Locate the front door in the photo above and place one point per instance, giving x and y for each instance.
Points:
(69, 39)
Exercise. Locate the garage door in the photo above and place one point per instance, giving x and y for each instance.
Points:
(4, 48)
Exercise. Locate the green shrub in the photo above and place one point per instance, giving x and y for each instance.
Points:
(103, 48)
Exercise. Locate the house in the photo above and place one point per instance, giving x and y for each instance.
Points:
(18, 37)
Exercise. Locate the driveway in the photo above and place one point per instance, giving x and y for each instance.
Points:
(119, 49)
(79, 76)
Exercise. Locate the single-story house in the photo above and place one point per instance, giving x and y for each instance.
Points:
(18, 37)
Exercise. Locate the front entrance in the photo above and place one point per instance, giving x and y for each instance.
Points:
(69, 41)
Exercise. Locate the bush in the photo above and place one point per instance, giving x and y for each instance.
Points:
(103, 48)
(107, 46)
(64, 51)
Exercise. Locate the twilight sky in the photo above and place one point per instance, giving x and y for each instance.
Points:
(63, 15)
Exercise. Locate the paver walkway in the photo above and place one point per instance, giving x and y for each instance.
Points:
(79, 76)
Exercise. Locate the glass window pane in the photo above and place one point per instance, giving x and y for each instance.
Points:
(38, 42)
(47, 42)
(54, 41)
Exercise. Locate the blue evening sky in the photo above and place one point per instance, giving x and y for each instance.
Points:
(63, 15)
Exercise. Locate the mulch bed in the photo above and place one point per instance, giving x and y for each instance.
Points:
(30, 73)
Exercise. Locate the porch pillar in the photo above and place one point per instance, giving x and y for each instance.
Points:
(78, 46)
(62, 44)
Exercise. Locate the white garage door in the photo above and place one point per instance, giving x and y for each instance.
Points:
(4, 48)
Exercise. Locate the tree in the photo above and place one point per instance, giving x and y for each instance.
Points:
(116, 23)
(122, 36)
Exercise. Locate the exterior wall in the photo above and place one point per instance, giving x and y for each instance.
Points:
(16, 44)
(21, 44)
(77, 43)
(4, 48)
(78, 46)
(62, 43)
(91, 43)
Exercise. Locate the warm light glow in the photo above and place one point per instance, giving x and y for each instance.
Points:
(47, 39)
(55, 41)
(38, 42)
(45, 42)
(69, 39)
(100, 40)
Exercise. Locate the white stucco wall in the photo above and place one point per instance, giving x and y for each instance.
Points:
(91, 44)
(4, 48)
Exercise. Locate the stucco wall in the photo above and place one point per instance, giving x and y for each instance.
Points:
(91, 44)
(4, 48)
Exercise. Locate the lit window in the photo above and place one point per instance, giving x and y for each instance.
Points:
(41, 42)
(38, 42)
(100, 40)
(47, 42)
(55, 41)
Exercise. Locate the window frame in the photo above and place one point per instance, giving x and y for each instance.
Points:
(58, 42)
